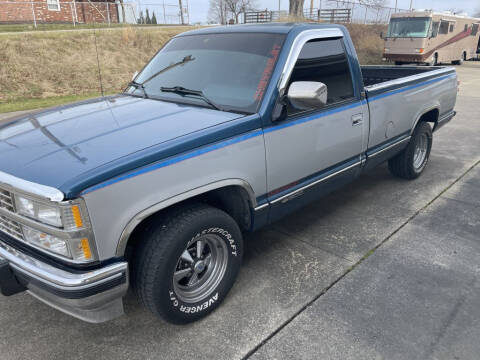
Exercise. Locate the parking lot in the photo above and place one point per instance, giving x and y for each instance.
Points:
(384, 268)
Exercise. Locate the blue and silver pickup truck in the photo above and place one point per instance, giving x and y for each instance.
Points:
(225, 130)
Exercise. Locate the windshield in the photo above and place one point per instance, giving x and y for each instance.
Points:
(231, 70)
(409, 27)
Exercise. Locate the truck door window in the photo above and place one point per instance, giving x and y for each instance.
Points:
(324, 61)
(443, 27)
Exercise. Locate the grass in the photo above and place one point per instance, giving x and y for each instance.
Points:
(40, 69)
(44, 65)
(37, 103)
(54, 27)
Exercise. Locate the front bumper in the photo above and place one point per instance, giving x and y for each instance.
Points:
(94, 296)
(407, 58)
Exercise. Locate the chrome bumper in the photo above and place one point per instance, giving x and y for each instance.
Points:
(94, 296)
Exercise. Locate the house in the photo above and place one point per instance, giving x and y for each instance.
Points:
(59, 11)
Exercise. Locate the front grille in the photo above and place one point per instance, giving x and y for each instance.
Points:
(9, 227)
(6, 200)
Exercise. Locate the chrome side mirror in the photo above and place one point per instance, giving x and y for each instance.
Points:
(307, 94)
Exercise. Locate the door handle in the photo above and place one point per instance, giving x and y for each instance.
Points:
(357, 120)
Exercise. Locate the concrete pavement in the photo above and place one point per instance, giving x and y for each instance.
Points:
(383, 268)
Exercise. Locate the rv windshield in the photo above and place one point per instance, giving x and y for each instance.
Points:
(409, 27)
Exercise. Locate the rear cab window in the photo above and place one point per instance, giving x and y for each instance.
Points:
(324, 60)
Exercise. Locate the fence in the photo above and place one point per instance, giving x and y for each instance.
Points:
(263, 16)
(358, 12)
(332, 11)
(77, 12)
(165, 12)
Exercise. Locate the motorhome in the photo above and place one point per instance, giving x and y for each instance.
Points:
(431, 38)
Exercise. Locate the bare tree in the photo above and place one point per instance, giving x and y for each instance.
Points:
(123, 11)
(296, 8)
(218, 11)
(375, 4)
(236, 7)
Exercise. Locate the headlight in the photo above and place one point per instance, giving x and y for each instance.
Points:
(77, 249)
(386, 50)
(70, 221)
(45, 241)
(44, 213)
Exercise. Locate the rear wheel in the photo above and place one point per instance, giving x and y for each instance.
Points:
(411, 162)
(434, 61)
(460, 61)
(187, 262)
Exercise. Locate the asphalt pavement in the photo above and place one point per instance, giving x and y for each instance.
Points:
(382, 269)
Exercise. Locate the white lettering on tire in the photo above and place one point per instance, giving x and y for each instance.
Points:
(222, 232)
(194, 309)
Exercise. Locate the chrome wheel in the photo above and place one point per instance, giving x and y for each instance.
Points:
(420, 153)
(200, 268)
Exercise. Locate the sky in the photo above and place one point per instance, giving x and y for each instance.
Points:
(199, 8)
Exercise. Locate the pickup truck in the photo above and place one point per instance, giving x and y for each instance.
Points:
(225, 130)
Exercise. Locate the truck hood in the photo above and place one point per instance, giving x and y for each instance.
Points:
(58, 145)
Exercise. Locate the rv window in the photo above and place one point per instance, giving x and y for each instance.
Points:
(452, 26)
(474, 29)
(443, 27)
(435, 28)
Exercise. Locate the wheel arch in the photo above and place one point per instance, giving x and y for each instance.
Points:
(428, 115)
(234, 196)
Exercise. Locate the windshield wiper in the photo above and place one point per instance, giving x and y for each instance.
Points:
(139, 86)
(182, 62)
(183, 91)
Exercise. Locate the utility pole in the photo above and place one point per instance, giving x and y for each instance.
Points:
(411, 4)
(181, 11)
(311, 8)
(278, 8)
(396, 3)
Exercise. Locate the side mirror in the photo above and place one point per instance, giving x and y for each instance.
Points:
(134, 75)
(307, 94)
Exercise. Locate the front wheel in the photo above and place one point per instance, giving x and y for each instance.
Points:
(411, 162)
(187, 262)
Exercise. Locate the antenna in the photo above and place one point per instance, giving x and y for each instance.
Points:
(98, 60)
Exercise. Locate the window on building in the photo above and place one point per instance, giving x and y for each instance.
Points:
(474, 29)
(443, 27)
(435, 25)
(53, 5)
(452, 26)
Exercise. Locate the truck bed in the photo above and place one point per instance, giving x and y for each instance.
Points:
(384, 79)
(376, 74)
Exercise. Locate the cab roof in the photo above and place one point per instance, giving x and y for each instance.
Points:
(274, 28)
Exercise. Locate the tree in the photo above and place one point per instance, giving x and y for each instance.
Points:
(296, 8)
(141, 19)
(218, 11)
(236, 7)
(154, 19)
(123, 10)
(147, 18)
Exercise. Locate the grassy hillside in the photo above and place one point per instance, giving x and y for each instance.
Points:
(46, 68)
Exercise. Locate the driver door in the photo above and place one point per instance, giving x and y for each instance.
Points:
(312, 151)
